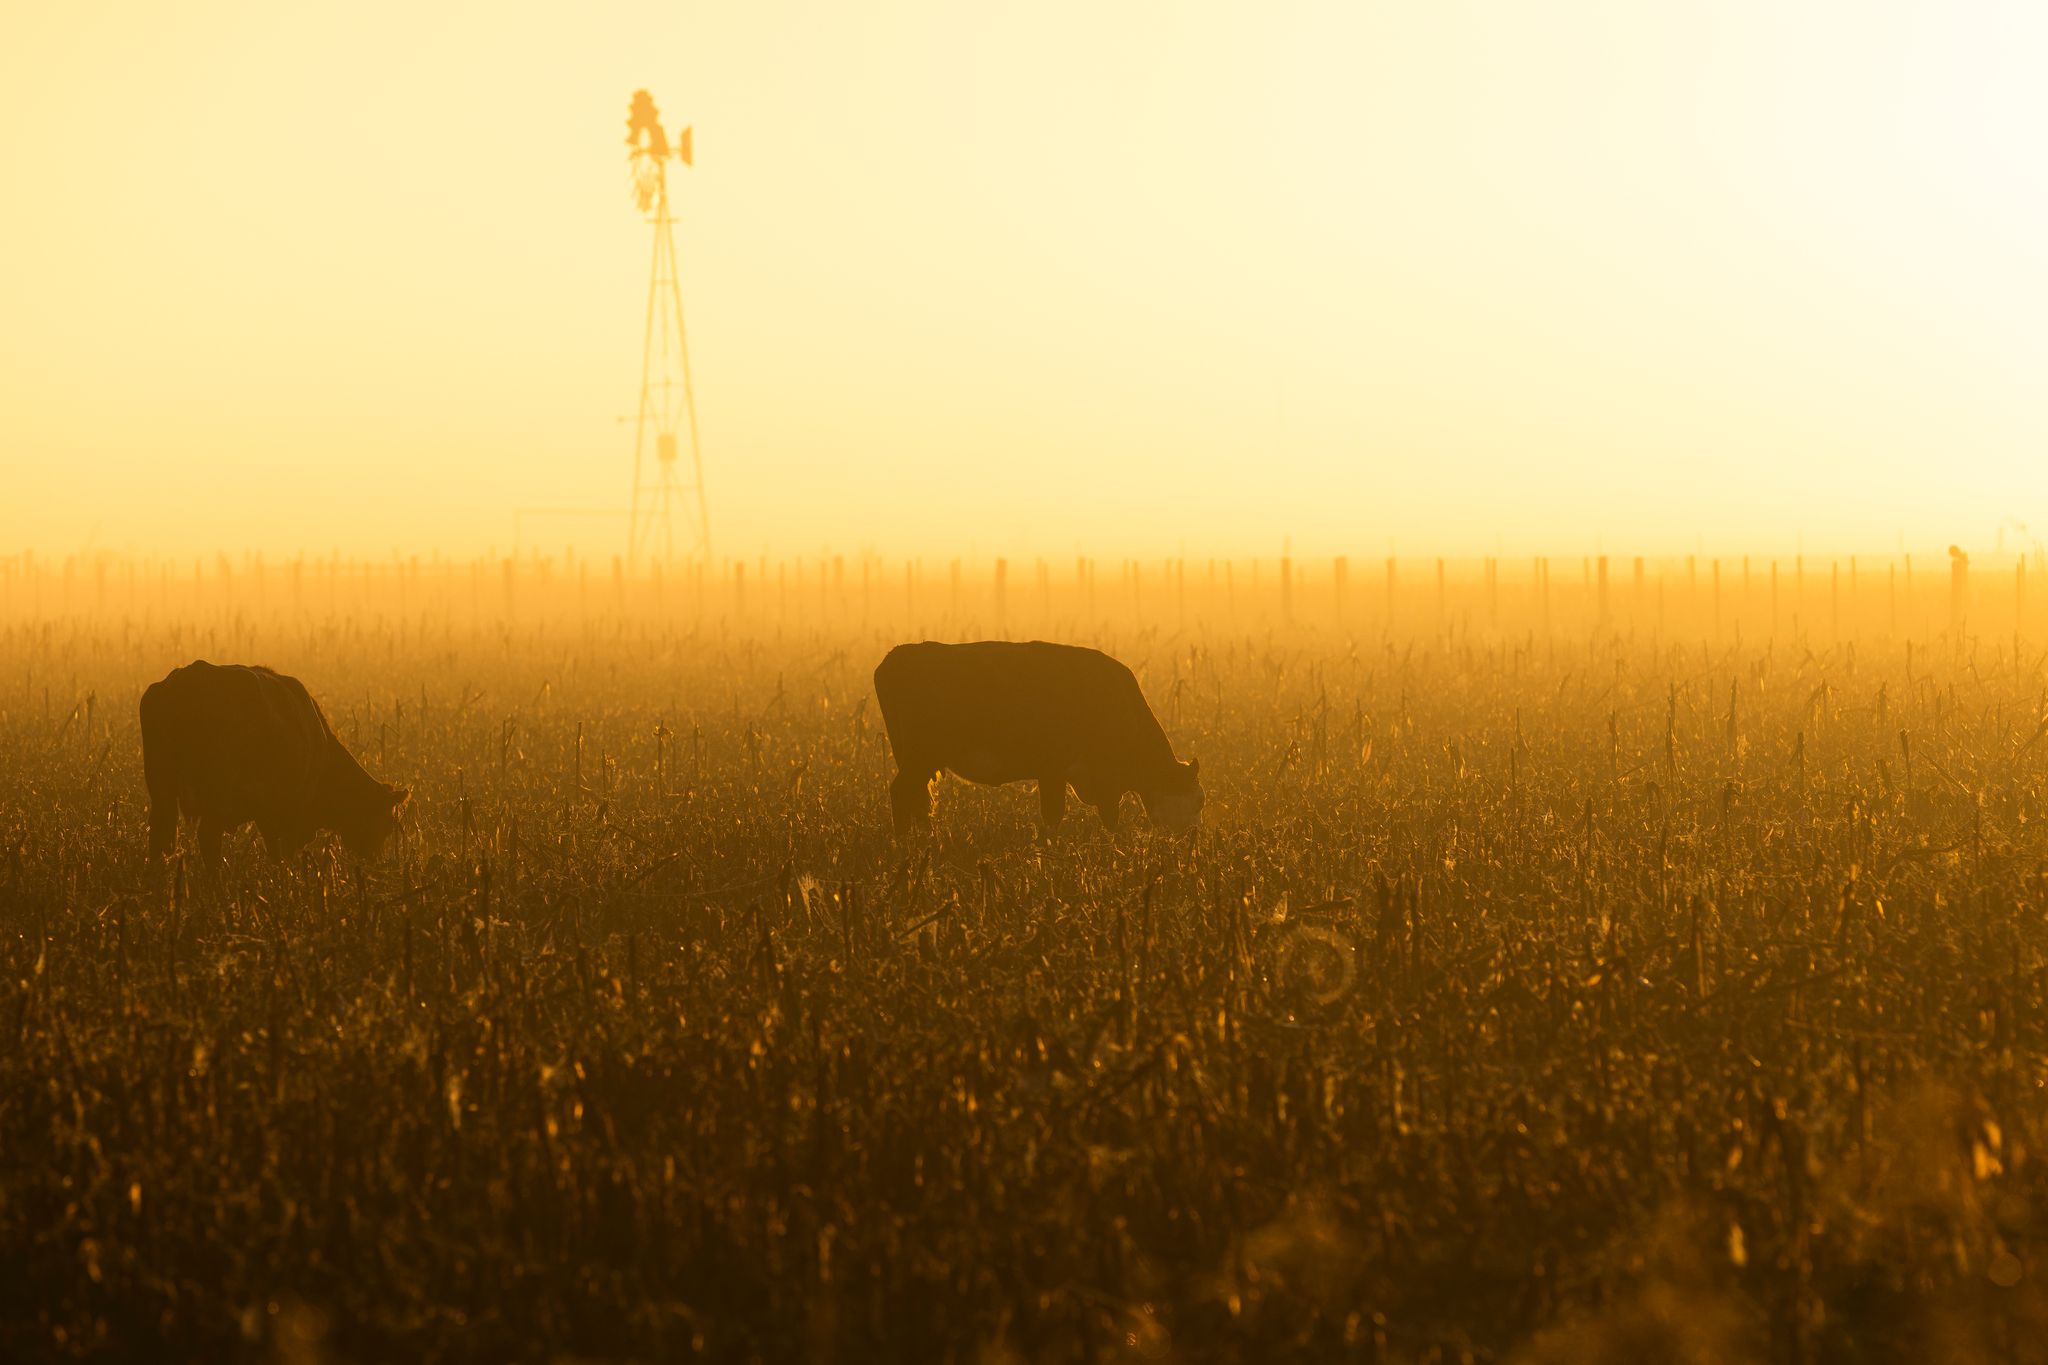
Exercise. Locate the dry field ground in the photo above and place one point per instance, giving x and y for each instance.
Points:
(1539, 987)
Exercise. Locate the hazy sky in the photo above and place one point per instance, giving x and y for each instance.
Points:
(1119, 277)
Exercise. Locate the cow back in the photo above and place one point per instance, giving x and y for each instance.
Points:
(241, 740)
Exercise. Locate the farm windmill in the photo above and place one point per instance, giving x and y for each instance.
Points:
(667, 402)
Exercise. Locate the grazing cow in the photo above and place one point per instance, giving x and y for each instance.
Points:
(230, 744)
(996, 711)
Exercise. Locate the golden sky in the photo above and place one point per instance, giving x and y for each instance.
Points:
(1123, 278)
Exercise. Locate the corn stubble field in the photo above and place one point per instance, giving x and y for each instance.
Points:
(1538, 987)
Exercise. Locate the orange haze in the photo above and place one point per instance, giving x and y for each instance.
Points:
(1128, 278)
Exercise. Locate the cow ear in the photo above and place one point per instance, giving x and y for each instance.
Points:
(1194, 767)
(399, 796)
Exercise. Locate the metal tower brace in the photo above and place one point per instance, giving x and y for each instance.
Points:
(653, 502)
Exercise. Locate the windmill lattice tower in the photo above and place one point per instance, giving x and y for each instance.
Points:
(662, 495)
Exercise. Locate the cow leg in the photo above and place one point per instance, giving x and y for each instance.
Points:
(211, 828)
(163, 825)
(163, 804)
(910, 800)
(1103, 794)
(1052, 802)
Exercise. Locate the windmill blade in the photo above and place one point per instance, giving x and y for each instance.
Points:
(683, 147)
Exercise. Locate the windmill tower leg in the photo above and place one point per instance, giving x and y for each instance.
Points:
(636, 531)
(695, 489)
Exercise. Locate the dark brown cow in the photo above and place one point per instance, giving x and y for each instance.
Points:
(227, 744)
(996, 711)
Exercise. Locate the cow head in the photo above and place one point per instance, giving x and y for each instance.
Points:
(1176, 801)
(373, 821)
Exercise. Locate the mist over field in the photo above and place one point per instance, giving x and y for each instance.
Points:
(1555, 973)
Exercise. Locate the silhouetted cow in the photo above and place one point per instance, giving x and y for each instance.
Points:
(230, 744)
(996, 711)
